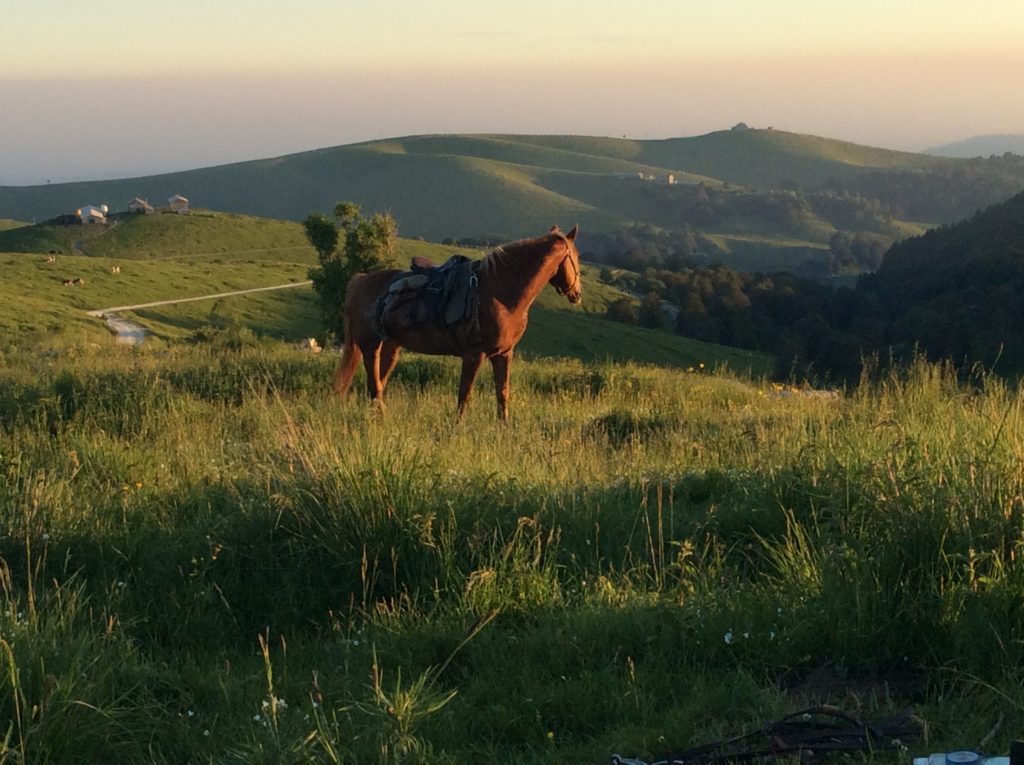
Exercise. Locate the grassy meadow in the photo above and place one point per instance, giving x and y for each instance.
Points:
(172, 257)
(206, 559)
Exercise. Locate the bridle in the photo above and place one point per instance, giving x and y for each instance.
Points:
(575, 265)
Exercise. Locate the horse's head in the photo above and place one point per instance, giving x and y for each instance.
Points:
(567, 278)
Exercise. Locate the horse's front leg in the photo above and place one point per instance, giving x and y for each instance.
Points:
(470, 366)
(501, 366)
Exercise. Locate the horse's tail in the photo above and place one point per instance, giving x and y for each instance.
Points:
(348, 363)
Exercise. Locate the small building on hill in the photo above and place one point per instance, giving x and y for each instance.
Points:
(178, 204)
(92, 214)
(139, 205)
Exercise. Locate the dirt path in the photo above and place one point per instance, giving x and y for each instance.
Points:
(133, 334)
(76, 246)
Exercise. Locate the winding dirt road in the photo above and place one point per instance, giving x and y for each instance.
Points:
(132, 333)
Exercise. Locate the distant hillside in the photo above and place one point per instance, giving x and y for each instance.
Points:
(9, 224)
(958, 291)
(981, 146)
(762, 185)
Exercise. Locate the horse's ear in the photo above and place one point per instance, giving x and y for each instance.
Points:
(572, 234)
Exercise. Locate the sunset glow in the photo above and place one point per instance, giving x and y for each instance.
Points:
(238, 80)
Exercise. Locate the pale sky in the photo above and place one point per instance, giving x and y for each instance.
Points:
(118, 88)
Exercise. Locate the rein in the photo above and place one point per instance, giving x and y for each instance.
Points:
(575, 265)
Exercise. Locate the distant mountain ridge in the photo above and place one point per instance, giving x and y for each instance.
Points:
(981, 146)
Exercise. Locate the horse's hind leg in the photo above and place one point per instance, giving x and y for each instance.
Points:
(350, 355)
(388, 359)
(371, 362)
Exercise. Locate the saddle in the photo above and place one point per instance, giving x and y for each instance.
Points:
(428, 294)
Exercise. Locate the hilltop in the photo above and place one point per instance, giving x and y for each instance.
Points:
(778, 197)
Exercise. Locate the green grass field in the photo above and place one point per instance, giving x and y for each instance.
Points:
(204, 558)
(170, 257)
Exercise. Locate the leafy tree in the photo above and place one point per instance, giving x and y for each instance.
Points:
(651, 314)
(345, 245)
(622, 310)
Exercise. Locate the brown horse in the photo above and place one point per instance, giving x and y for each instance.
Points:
(508, 280)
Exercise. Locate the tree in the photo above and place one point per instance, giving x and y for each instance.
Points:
(622, 310)
(651, 314)
(345, 246)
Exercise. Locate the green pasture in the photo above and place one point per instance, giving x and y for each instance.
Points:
(36, 307)
(38, 310)
(206, 558)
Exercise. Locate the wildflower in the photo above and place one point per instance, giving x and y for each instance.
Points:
(728, 637)
(206, 732)
(551, 735)
(746, 635)
(46, 537)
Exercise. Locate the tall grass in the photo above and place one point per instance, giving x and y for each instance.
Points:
(206, 558)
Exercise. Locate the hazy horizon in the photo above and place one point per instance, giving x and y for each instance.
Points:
(137, 90)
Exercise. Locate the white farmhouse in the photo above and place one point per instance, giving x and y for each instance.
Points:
(92, 214)
(178, 204)
(139, 205)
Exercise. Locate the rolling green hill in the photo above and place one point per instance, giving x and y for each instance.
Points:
(512, 186)
(756, 200)
(128, 235)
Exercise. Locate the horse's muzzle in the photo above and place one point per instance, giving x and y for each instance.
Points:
(575, 297)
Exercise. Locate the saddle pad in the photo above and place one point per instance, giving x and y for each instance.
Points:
(410, 282)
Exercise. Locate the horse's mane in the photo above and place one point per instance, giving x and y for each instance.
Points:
(506, 253)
